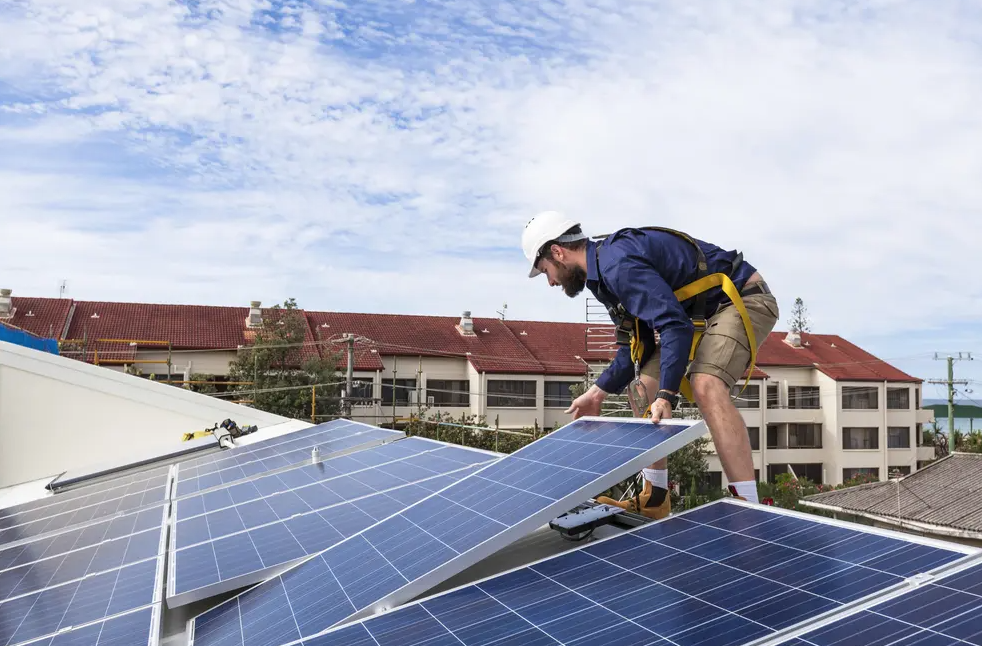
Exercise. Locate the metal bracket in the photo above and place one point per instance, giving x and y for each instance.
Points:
(579, 523)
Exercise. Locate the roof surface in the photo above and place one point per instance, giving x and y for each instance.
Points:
(947, 493)
(497, 346)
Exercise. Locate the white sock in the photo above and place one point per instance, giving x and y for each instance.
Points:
(657, 477)
(747, 490)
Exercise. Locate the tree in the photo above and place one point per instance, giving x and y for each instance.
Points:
(283, 371)
(799, 317)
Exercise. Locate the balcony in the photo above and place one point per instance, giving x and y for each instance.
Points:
(787, 415)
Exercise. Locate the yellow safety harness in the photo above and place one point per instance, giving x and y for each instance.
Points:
(696, 289)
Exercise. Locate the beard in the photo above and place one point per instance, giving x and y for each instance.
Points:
(573, 280)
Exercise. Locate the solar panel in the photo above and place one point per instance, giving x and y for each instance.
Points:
(725, 574)
(84, 496)
(75, 539)
(65, 599)
(409, 553)
(240, 463)
(136, 628)
(97, 506)
(937, 612)
(236, 544)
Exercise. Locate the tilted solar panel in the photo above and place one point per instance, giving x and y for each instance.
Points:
(236, 544)
(410, 552)
(88, 510)
(726, 574)
(60, 600)
(241, 463)
(940, 611)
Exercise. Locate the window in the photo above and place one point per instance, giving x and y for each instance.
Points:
(402, 387)
(920, 434)
(860, 398)
(511, 394)
(898, 398)
(849, 474)
(804, 436)
(558, 394)
(898, 437)
(773, 396)
(917, 398)
(854, 437)
(750, 398)
(754, 433)
(449, 392)
(772, 436)
(801, 397)
(362, 392)
(812, 471)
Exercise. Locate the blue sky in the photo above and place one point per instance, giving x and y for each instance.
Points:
(384, 156)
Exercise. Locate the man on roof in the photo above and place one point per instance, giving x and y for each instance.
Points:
(710, 308)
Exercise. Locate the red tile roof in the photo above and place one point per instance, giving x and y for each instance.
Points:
(522, 347)
(832, 355)
(45, 317)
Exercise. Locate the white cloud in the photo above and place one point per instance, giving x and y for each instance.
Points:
(838, 147)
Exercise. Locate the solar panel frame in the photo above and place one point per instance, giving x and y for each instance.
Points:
(153, 633)
(155, 602)
(688, 431)
(74, 478)
(297, 448)
(789, 636)
(175, 598)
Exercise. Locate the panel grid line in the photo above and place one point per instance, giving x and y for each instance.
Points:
(442, 625)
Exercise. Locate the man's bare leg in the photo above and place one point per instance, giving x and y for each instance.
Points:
(726, 426)
(651, 386)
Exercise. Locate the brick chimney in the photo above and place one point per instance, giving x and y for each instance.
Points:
(6, 304)
(255, 315)
(466, 325)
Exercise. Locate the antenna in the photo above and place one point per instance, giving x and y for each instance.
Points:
(62, 286)
(503, 311)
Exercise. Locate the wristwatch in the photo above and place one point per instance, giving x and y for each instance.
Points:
(671, 398)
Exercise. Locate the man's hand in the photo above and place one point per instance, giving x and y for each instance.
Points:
(587, 404)
(660, 410)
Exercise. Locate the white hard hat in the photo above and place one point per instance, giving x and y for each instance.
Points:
(544, 227)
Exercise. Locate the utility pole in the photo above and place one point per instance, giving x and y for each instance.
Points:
(349, 384)
(951, 383)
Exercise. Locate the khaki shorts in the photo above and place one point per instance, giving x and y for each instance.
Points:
(724, 350)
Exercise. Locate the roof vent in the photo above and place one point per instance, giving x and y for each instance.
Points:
(793, 339)
(486, 331)
(255, 315)
(30, 313)
(466, 325)
(95, 315)
(524, 333)
(6, 304)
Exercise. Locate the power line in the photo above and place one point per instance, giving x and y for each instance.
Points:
(951, 383)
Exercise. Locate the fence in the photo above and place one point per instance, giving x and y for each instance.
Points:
(24, 338)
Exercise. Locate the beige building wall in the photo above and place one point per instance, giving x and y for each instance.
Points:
(58, 413)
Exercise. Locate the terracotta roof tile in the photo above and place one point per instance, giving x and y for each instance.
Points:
(832, 355)
(45, 317)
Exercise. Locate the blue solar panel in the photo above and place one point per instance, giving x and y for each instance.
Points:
(63, 568)
(79, 602)
(136, 628)
(723, 575)
(241, 463)
(434, 539)
(87, 495)
(12, 531)
(947, 610)
(233, 546)
(83, 537)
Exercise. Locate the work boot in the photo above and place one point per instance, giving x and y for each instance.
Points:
(644, 503)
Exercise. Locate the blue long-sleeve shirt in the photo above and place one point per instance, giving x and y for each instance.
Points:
(641, 270)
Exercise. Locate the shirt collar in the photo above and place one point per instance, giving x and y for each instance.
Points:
(592, 270)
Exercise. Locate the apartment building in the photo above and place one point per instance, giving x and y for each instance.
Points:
(817, 404)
